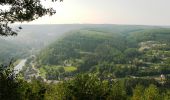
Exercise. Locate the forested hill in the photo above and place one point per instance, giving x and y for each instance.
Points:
(122, 50)
(31, 39)
(78, 43)
(9, 50)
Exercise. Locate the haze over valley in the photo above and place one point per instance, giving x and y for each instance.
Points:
(84, 50)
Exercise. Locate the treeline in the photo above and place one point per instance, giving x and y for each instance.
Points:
(81, 87)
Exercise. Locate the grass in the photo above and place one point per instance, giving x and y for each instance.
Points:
(70, 69)
(43, 70)
(67, 69)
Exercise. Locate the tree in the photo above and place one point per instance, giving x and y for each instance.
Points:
(151, 93)
(85, 87)
(138, 92)
(8, 83)
(167, 95)
(13, 88)
(117, 92)
(20, 11)
(131, 52)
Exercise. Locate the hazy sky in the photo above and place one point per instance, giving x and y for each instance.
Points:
(145, 12)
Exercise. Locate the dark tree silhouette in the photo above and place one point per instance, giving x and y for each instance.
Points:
(20, 11)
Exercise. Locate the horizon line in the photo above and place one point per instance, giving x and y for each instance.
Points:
(88, 24)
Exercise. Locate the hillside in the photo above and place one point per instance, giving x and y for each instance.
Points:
(31, 39)
(126, 50)
(9, 50)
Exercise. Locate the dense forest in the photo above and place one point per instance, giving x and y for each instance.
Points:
(90, 62)
(136, 51)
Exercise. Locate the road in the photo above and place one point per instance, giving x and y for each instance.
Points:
(18, 67)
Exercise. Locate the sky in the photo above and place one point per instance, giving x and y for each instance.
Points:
(138, 12)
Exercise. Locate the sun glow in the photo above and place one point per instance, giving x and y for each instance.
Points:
(108, 12)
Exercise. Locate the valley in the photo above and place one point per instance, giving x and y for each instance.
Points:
(111, 53)
(84, 50)
(90, 61)
(117, 51)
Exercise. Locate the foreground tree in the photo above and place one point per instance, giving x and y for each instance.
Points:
(152, 93)
(138, 93)
(13, 88)
(8, 83)
(20, 11)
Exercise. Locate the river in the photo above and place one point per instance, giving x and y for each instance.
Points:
(18, 67)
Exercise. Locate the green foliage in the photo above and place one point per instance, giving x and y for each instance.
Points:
(56, 92)
(70, 68)
(138, 52)
(76, 45)
(119, 65)
(151, 93)
(56, 72)
(131, 53)
(166, 96)
(20, 11)
(10, 50)
(88, 86)
(8, 84)
(138, 93)
(14, 88)
(156, 34)
(85, 87)
(81, 87)
(117, 92)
